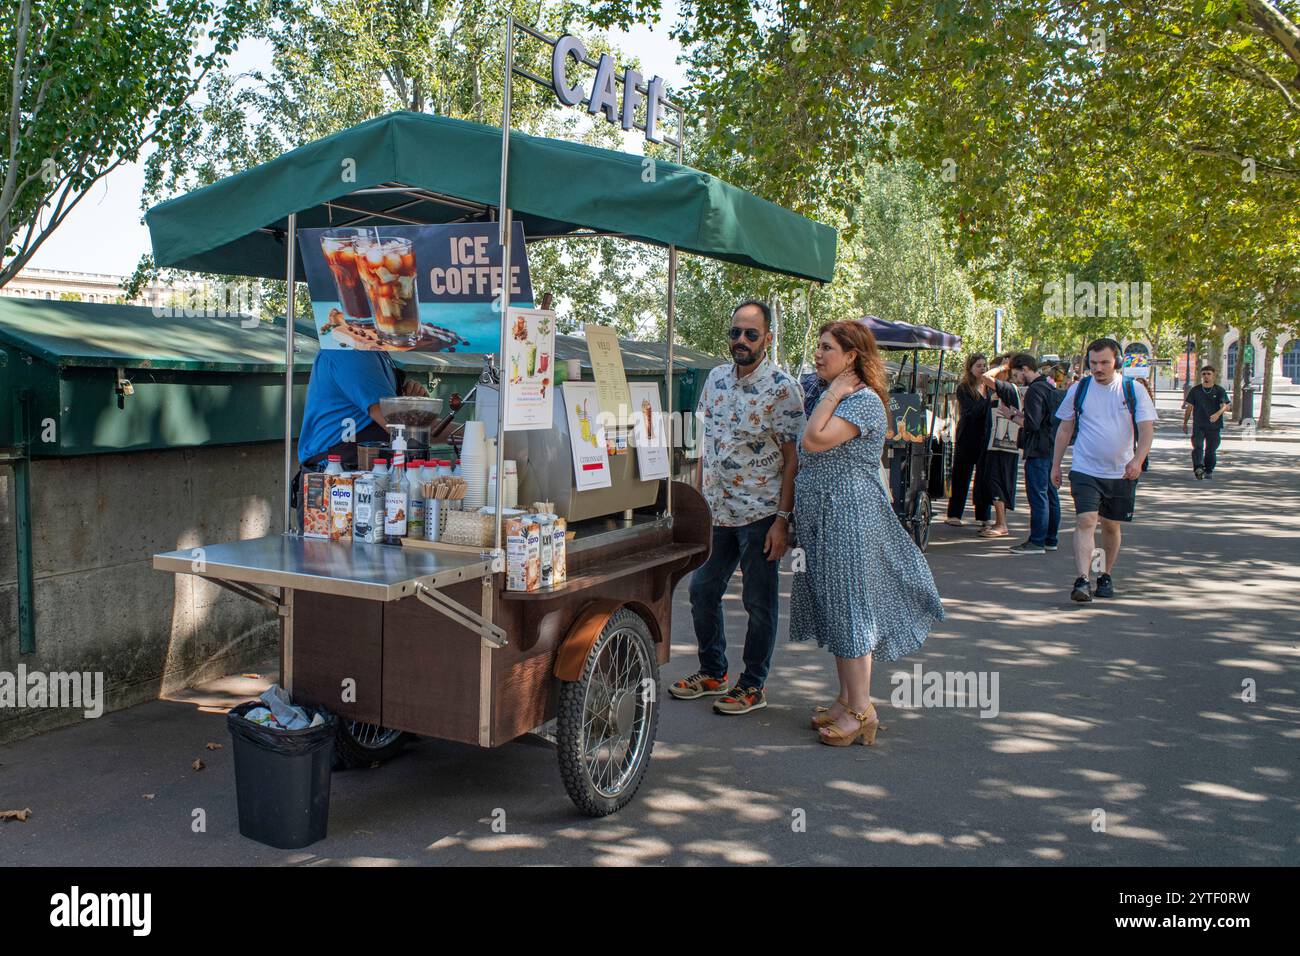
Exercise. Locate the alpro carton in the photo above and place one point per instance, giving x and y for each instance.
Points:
(523, 554)
(341, 493)
(559, 555)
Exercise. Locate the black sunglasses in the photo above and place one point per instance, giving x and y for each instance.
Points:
(751, 335)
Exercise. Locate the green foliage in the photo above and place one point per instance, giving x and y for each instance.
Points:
(85, 85)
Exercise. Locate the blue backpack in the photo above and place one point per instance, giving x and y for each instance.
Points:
(1130, 400)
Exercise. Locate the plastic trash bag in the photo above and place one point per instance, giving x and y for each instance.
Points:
(306, 740)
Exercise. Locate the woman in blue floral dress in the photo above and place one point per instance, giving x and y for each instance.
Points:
(866, 590)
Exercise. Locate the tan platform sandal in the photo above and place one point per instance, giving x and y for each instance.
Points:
(866, 732)
(820, 718)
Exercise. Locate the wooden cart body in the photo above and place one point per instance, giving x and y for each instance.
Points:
(378, 652)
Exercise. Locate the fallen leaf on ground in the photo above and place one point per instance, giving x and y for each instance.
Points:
(212, 746)
(197, 765)
(19, 815)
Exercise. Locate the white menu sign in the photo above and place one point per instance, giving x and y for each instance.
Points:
(529, 368)
(648, 431)
(586, 436)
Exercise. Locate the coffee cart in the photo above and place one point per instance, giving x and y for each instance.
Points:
(431, 642)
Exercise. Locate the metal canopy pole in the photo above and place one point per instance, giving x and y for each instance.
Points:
(668, 352)
(505, 228)
(290, 268)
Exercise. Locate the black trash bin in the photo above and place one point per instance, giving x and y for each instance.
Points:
(282, 779)
(1248, 402)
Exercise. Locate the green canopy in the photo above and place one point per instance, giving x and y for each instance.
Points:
(418, 168)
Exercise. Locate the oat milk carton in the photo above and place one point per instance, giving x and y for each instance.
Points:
(367, 519)
(341, 492)
(559, 556)
(523, 554)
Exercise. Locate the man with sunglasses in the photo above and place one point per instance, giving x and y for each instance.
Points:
(752, 413)
(1209, 402)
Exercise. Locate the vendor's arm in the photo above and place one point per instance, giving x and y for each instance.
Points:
(366, 381)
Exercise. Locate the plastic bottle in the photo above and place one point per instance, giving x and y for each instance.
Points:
(399, 441)
(380, 471)
(335, 466)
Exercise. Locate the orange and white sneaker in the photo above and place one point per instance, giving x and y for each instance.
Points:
(698, 684)
(741, 700)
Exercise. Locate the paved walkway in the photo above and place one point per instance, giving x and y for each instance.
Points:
(1132, 707)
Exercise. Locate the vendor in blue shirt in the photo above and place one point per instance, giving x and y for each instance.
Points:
(343, 398)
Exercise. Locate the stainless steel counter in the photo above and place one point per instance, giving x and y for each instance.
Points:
(375, 572)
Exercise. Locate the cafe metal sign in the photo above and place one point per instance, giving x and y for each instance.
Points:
(574, 84)
(604, 97)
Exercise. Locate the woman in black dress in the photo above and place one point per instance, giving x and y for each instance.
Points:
(972, 437)
(995, 477)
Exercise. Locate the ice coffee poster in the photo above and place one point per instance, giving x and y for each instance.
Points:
(586, 436)
(529, 368)
(411, 288)
(648, 431)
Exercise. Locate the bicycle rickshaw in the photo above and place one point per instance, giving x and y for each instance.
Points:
(910, 456)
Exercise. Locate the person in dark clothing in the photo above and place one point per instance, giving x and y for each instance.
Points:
(972, 428)
(1037, 437)
(813, 387)
(1206, 404)
(995, 473)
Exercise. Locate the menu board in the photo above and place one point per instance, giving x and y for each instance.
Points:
(411, 288)
(607, 370)
(529, 368)
(648, 431)
(586, 436)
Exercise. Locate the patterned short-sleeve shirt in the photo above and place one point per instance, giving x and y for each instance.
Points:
(746, 420)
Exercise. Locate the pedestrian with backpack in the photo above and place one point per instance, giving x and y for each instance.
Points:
(1038, 426)
(1111, 423)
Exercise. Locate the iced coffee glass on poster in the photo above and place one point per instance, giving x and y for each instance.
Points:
(340, 252)
(387, 268)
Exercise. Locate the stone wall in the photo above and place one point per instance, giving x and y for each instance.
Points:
(100, 606)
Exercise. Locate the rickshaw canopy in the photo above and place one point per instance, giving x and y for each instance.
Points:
(418, 168)
(904, 335)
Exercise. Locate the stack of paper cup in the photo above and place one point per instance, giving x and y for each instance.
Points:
(474, 465)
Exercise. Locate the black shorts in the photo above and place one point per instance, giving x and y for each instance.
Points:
(1112, 498)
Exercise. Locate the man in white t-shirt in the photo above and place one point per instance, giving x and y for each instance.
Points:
(1115, 426)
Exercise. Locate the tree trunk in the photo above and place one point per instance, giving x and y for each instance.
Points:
(1266, 396)
(1217, 331)
(1243, 338)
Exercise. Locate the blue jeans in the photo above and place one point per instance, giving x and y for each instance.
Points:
(741, 546)
(1044, 502)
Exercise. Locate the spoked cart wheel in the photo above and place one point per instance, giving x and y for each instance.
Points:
(922, 513)
(607, 717)
(360, 745)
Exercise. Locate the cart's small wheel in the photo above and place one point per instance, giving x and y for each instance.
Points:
(360, 745)
(607, 717)
(922, 514)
